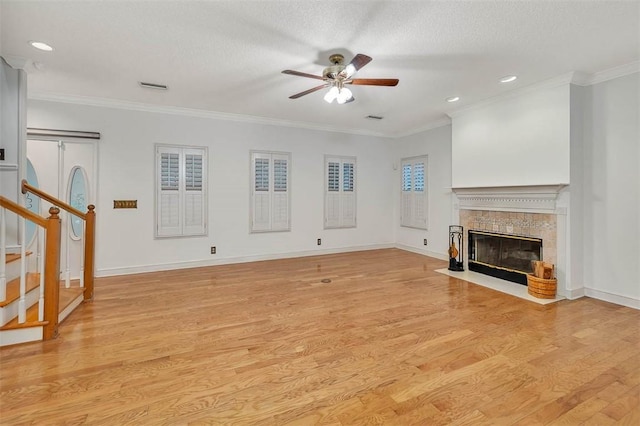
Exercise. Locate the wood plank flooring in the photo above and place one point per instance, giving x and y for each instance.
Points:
(388, 341)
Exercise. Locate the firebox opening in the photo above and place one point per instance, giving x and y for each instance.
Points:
(503, 256)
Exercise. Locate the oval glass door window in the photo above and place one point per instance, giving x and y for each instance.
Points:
(32, 203)
(78, 199)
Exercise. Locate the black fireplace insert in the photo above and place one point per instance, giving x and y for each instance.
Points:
(503, 256)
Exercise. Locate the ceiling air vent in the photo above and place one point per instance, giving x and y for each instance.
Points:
(373, 117)
(153, 86)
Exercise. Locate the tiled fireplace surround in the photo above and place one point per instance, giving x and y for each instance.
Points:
(530, 211)
(538, 225)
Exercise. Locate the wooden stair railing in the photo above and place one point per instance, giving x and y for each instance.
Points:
(90, 229)
(52, 228)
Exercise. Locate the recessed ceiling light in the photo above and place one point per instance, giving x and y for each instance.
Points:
(41, 46)
(453, 99)
(508, 79)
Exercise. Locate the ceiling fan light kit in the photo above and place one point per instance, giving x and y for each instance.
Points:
(337, 75)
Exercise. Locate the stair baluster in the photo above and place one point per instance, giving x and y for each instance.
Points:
(40, 247)
(83, 243)
(67, 249)
(22, 306)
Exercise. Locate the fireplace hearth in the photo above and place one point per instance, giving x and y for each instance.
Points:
(504, 256)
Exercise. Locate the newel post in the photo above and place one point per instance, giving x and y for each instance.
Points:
(89, 252)
(52, 274)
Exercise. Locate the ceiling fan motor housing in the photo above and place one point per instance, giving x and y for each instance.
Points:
(333, 71)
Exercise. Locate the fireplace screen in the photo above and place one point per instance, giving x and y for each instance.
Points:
(503, 256)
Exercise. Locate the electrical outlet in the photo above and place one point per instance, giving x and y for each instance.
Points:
(213, 249)
(319, 241)
(425, 241)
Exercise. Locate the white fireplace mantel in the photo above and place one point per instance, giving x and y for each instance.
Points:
(528, 199)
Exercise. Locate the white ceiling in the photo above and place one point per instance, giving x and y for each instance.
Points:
(227, 56)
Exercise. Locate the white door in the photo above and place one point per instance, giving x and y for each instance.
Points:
(67, 170)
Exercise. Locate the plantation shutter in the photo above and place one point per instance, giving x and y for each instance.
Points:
(194, 207)
(348, 218)
(340, 192)
(407, 196)
(414, 202)
(280, 205)
(419, 195)
(332, 194)
(261, 217)
(181, 191)
(169, 196)
(270, 196)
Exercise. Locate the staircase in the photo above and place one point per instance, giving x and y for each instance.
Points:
(35, 301)
(11, 330)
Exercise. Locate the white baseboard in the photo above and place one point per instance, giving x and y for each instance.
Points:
(613, 298)
(423, 252)
(574, 294)
(108, 272)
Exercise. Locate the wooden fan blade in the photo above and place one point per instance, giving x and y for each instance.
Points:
(356, 63)
(374, 81)
(360, 61)
(306, 92)
(302, 74)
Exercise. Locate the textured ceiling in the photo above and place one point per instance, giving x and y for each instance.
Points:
(227, 56)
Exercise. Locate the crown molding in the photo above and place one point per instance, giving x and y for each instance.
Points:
(560, 80)
(20, 63)
(190, 112)
(446, 121)
(615, 72)
(575, 77)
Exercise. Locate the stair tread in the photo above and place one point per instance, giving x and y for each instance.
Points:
(32, 320)
(12, 257)
(13, 287)
(68, 295)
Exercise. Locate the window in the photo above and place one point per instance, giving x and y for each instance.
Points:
(270, 193)
(340, 192)
(181, 191)
(414, 206)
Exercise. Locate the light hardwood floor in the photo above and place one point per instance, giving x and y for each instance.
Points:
(388, 341)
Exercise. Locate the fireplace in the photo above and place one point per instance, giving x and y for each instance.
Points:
(503, 256)
(534, 212)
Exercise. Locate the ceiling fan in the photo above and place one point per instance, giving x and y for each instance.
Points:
(338, 75)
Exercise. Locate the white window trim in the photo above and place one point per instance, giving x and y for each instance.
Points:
(415, 197)
(343, 222)
(272, 155)
(182, 150)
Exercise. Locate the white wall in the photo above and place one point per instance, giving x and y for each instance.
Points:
(436, 144)
(13, 93)
(523, 140)
(572, 198)
(612, 191)
(126, 171)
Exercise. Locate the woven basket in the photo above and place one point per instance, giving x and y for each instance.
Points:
(541, 288)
